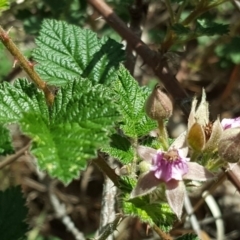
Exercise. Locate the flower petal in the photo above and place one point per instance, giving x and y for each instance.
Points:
(169, 169)
(175, 192)
(180, 143)
(146, 184)
(146, 153)
(197, 172)
(213, 141)
(230, 123)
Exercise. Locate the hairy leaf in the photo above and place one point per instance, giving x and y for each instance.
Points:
(62, 150)
(230, 51)
(66, 52)
(19, 98)
(205, 27)
(81, 102)
(80, 121)
(189, 236)
(129, 99)
(120, 148)
(180, 30)
(158, 213)
(13, 213)
(5, 141)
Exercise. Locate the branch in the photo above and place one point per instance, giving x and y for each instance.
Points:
(10, 159)
(26, 65)
(61, 213)
(151, 58)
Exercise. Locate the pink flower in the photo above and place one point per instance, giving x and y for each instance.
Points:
(170, 165)
(171, 168)
(230, 123)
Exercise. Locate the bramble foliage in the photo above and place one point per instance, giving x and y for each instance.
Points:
(5, 141)
(13, 214)
(98, 105)
(66, 52)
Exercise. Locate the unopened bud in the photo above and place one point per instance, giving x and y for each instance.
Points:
(158, 105)
(229, 145)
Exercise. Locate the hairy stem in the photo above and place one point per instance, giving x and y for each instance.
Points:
(26, 65)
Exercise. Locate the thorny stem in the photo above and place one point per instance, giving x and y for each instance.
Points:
(24, 63)
(162, 235)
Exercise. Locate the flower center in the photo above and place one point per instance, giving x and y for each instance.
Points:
(171, 155)
(208, 130)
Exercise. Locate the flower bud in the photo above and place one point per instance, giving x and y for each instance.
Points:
(229, 145)
(158, 105)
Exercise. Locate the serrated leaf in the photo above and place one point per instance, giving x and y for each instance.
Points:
(62, 150)
(152, 213)
(81, 119)
(66, 52)
(19, 98)
(189, 236)
(230, 50)
(5, 141)
(205, 27)
(120, 148)
(13, 213)
(79, 101)
(129, 99)
(181, 30)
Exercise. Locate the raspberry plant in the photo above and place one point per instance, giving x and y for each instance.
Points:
(82, 101)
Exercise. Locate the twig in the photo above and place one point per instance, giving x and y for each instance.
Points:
(136, 14)
(10, 159)
(110, 228)
(193, 218)
(61, 212)
(151, 58)
(108, 204)
(170, 11)
(28, 67)
(161, 234)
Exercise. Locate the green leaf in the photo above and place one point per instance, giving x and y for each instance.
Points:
(13, 213)
(61, 150)
(120, 148)
(81, 119)
(79, 101)
(205, 27)
(181, 30)
(152, 213)
(66, 52)
(4, 4)
(230, 51)
(189, 236)
(19, 98)
(5, 141)
(129, 99)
